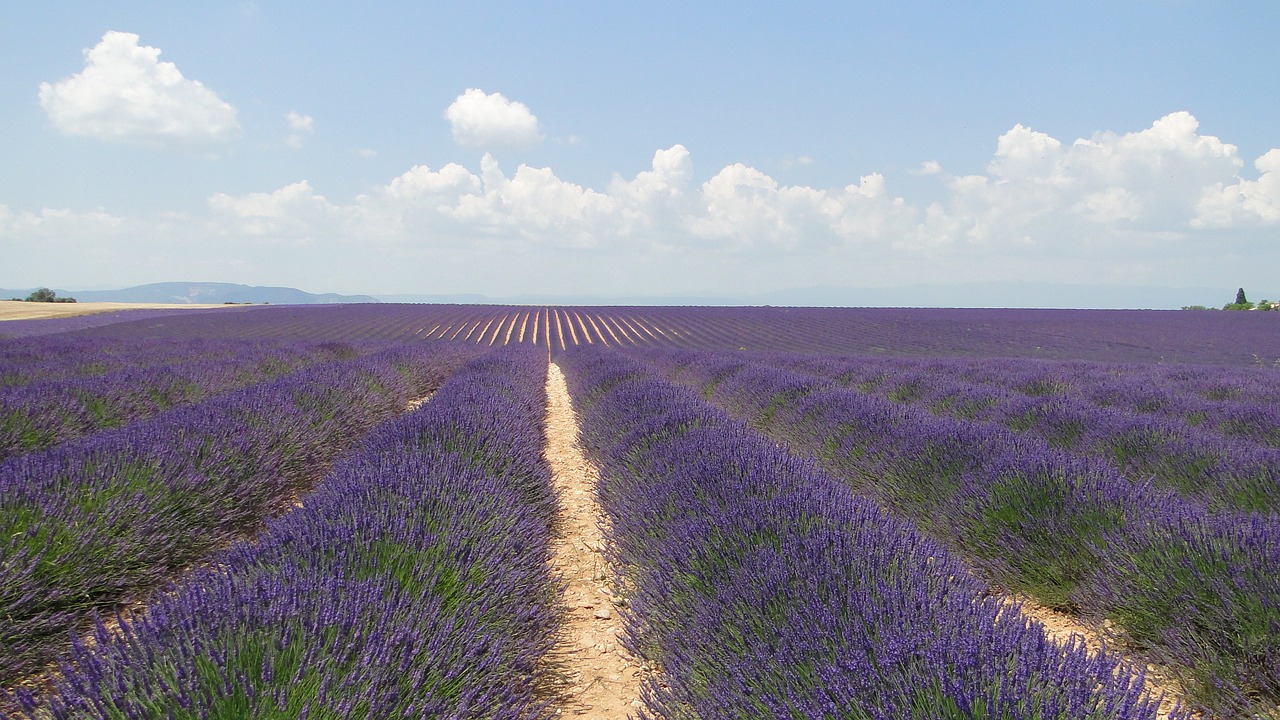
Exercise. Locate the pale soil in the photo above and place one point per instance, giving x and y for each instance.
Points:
(597, 676)
(416, 403)
(19, 310)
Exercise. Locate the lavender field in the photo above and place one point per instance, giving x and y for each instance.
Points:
(346, 511)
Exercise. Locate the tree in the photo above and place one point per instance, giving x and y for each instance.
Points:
(46, 295)
(1241, 303)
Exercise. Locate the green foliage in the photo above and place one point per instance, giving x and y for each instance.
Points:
(1241, 302)
(1047, 560)
(44, 294)
(30, 433)
(1168, 594)
(908, 392)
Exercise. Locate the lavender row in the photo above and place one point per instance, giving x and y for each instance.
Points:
(412, 583)
(87, 524)
(1054, 403)
(40, 414)
(1234, 402)
(765, 588)
(1151, 385)
(10, 329)
(65, 357)
(1239, 339)
(1196, 588)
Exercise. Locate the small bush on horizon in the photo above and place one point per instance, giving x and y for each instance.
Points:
(44, 294)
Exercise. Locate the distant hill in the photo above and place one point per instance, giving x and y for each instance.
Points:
(971, 295)
(203, 293)
(1005, 295)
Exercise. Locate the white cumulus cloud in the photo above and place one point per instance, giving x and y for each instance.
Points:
(52, 221)
(1109, 206)
(929, 167)
(302, 123)
(299, 124)
(1040, 191)
(479, 119)
(1023, 153)
(294, 212)
(1245, 202)
(668, 179)
(534, 204)
(124, 92)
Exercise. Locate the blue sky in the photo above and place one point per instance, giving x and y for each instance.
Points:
(661, 148)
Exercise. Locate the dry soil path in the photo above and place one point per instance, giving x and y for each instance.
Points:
(599, 678)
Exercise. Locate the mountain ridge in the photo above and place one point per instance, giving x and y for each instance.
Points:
(204, 293)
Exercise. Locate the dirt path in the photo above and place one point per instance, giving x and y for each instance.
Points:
(599, 335)
(600, 679)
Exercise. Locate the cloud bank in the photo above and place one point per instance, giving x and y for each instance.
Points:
(1244, 202)
(1163, 205)
(1163, 182)
(124, 92)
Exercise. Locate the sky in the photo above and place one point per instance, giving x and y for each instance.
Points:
(648, 148)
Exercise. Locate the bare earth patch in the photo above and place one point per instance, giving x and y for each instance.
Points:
(599, 677)
(19, 310)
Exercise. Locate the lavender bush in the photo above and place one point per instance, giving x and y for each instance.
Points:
(39, 414)
(412, 583)
(1066, 528)
(68, 357)
(1204, 592)
(1207, 449)
(763, 588)
(92, 521)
